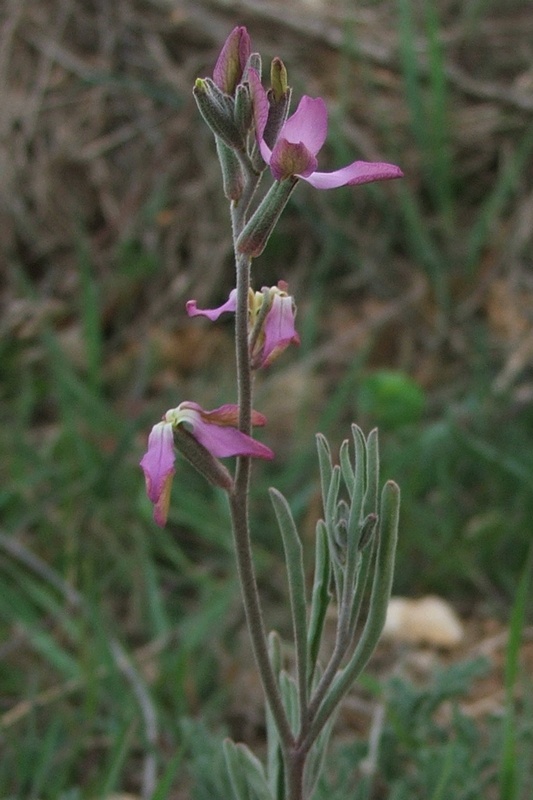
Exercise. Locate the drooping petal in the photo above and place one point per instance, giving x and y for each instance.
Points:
(224, 441)
(279, 329)
(308, 124)
(354, 174)
(212, 313)
(158, 467)
(232, 60)
(289, 158)
(216, 430)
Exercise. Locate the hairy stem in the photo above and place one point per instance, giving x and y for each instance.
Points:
(239, 497)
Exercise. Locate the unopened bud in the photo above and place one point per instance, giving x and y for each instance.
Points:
(217, 109)
(243, 113)
(279, 100)
(278, 79)
(232, 60)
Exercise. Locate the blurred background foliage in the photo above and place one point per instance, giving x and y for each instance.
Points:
(123, 648)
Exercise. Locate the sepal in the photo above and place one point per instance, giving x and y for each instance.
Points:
(217, 109)
(232, 174)
(201, 459)
(243, 112)
(257, 230)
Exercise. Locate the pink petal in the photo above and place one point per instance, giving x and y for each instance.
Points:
(226, 441)
(308, 124)
(354, 174)
(158, 461)
(158, 467)
(162, 505)
(212, 313)
(289, 159)
(279, 329)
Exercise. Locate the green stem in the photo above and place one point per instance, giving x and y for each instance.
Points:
(239, 497)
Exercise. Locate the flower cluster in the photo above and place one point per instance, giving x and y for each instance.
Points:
(253, 131)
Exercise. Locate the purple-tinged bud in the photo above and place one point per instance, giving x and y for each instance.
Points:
(232, 60)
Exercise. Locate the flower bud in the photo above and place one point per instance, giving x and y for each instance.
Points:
(232, 60)
(217, 109)
(278, 79)
(243, 113)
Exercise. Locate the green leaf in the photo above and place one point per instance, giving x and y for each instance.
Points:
(294, 563)
(246, 772)
(320, 597)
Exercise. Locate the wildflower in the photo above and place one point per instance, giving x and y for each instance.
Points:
(271, 321)
(214, 434)
(295, 150)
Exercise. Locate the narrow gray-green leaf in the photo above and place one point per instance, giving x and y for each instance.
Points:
(296, 574)
(320, 598)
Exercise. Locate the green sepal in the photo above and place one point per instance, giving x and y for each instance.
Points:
(217, 109)
(232, 174)
(243, 113)
(257, 230)
(201, 459)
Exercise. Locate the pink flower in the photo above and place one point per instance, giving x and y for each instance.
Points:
(232, 60)
(269, 334)
(299, 141)
(216, 431)
(278, 330)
